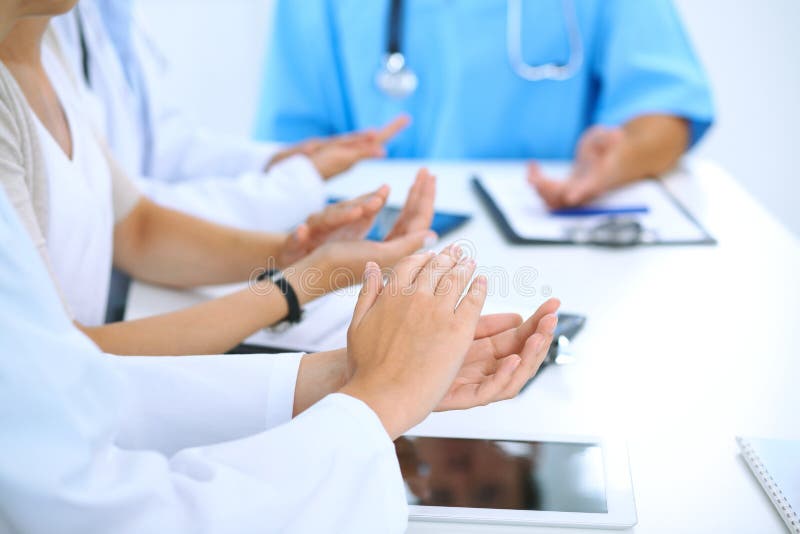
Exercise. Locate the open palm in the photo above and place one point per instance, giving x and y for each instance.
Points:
(351, 220)
(504, 355)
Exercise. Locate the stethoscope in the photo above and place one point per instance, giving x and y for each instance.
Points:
(396, 79)
(613, 232)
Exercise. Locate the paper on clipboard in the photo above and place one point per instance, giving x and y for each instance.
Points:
(529, 218)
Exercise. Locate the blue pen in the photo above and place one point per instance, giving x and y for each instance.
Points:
(586, 211)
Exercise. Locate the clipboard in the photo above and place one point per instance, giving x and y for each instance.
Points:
(668, 209)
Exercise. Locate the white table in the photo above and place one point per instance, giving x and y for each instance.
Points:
(685, 347)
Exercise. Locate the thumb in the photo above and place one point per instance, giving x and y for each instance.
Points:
(369, 292)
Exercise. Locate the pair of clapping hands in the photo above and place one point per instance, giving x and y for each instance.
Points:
(329, 251)
(416, 346)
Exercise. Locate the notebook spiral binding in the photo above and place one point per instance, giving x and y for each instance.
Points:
(777, 497)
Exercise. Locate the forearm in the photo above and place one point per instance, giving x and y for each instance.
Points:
(652, 145)
(320, 374)
(164, 246)
(212, 327)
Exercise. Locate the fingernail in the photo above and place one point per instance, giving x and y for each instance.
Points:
(456, 251)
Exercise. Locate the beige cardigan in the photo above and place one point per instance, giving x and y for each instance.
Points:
(23, 170)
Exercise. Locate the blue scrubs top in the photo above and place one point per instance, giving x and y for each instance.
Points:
(320, 77)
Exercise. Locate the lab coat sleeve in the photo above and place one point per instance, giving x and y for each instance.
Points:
(274, 201)
(233, 396)
(181, 151)
(303, 93)
(332, 469)
(64, 406)
(646, 64)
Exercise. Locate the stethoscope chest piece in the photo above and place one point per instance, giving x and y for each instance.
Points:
(395, 78)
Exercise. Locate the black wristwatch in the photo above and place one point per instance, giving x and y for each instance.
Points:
(292, 302)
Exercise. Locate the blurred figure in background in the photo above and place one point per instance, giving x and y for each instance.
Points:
(223, 178)
(612, 84)
(263, 186)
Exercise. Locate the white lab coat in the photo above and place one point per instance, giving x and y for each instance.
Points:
(215, 176)
(92, 443)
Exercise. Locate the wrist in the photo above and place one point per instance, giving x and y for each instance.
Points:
(319, 374)
(388, 407)
(306, 280)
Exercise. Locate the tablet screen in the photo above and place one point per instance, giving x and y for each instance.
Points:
(443, 222)
(516, 475)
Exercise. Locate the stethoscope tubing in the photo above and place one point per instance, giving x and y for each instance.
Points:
(395, 66)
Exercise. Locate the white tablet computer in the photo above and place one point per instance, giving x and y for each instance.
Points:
(525, 480)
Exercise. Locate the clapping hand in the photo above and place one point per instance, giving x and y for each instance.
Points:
(414, 345)
(504, 355)
(335, 155)
(349, 222)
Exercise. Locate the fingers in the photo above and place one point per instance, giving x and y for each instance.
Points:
(373, 283)
(453, 283)
(549, 190)
(499, 384)
(469, 310)
(579, 190)
(374, 202)
(438, 266)
(593, 166)
(397, 125)
(301, 236)
(309, 146)
(549, 307)
(365, 149)
(406, 270)
(417, 213)
(533, 354)
(393, 251)
(512, 341)
(349, 211)
(335, 216)
(490, 325)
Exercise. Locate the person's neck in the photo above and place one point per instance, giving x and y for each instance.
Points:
(23, 43)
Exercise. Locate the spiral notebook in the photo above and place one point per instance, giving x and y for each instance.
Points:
(776, 465)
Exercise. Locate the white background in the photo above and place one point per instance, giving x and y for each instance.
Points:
(751, 49)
